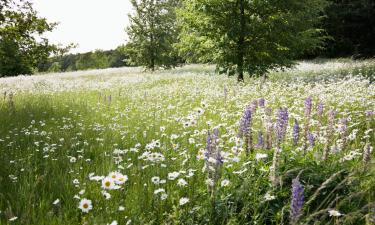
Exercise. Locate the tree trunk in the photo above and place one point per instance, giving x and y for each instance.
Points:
(152, 55)
(240, 43)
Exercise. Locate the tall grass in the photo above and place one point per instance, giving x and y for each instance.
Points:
(61, 134)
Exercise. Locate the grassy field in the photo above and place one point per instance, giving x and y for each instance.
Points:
(188, 146)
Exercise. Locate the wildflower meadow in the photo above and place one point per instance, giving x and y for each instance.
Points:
(189, 146)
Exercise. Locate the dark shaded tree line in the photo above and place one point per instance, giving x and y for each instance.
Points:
(351, 25)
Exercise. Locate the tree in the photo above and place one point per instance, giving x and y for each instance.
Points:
(92, 60)
(352, 27)
(251, 36)
(20, 52)
(152, 33)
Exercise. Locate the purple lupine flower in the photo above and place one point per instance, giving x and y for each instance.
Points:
(209, 143)
(308, 106)
(331, 119)
(332, 115)
(320, 109)
(295, 132)
(311, 139)
(245, 121)
(261, 102)
(281, 124)
(260, 139)
(211, 147)
(219, 158)
(297, 200)
(213, 159)
(343, 125)
(369, 114)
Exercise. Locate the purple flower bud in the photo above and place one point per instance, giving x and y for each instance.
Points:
(331, 119)
(297, 200)
(343, 125)
(332, 115)
(209, 143)
(211, 147)
(260, 140)
(295, 132)
(308, 106)
(281, 124)
(369, 114)
(261, 102)
(311, 139)
(320, 109)
(245, 122)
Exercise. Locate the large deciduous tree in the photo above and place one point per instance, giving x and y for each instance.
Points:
(22, 46)
(251, 36)
(152, 33)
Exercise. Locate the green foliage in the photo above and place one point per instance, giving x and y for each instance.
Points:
(98, 59)
(253, 36)
(20, 51)
(152, 33)
(12, 60)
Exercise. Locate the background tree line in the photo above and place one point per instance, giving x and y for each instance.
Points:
(98, 59)
(239, 36)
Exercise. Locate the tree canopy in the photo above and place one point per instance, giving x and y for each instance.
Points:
(249, 36)
(152, 33)
(22, 45)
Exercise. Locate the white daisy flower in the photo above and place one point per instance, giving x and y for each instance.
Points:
(155, 180)
(225, 183)
(113, 223)
(181, 182)
(108, 183)
(259, 156)
(160, 190)
(334, 213)
(121, 179)
(13, 218)
(57, 201)
(173, 175)
(269, 197)
(183, 201)
(85, 205)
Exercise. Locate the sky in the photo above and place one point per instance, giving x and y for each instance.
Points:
(92, 24)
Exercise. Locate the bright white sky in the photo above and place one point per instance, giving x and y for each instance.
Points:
(92, 24)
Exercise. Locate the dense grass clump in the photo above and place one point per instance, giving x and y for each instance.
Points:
(188, 147)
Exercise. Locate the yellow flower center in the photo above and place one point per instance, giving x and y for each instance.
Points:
(107, 184)
(85, 206)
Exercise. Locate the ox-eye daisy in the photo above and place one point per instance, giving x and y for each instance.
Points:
(85, 205)
(108, 183)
